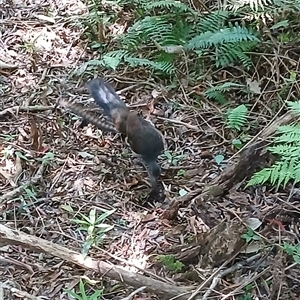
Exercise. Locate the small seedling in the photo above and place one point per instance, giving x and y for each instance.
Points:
(82, 295)
(237, 143)
(47, 158)
(173, 160)
(170, 262)
(94, 227)
(250, 236)
(180, 173)
(292, 250)
(182, 192)
(219, 159)
(8, 137)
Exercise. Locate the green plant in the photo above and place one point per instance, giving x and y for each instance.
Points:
(237, 117)
(293, 250)
(82, 295)
(8, 137)
(173, 159)
(8, 151)
(286, 146)
(180, 173)
(250, 236)
(247, 295)
(219, 158)
(164, 33)
(170, 262)
(94, 23)
(227, 43)
(218, 92)
(47, 158)
(94, 227)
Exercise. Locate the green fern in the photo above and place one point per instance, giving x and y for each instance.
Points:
(222, 36)
(230, 44)
(162, 30)
(274, 7)
(286, 145)
(294, 106)
(237, 117)
(231, 52)
(217, 92)
(214, 21)
(217, 96)
(169, 5)
(280, 173)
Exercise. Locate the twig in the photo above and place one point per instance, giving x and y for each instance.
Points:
(193, 127)
(25, 109)
(230, 270)
(245, 283)
(130, 296)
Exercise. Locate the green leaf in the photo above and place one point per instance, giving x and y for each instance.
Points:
(19, 154)
(219, 158)
(112, 62)
(182, 192)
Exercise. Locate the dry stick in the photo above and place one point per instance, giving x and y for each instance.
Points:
(15, 237)
(226, 272)
(211, 277)
(20, 189)
(245, 283)
(187, 125)
(131, 295)
(25, 109)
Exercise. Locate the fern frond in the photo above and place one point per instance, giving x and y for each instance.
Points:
(169, 4)
(222, 36)
(93, 62)
(285, 150)
(214, 21)
(161, 29)
(215, 95)
(165, 67)
(287, 147)
(294, 106)
(216, 92)
(226, 86)
(260, 177)
(234, 52)
(288, 138)
(237, 117)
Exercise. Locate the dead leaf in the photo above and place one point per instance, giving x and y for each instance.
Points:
(89, 182)
(253, 86)
(253, 223)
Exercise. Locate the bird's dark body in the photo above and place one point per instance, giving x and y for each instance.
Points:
(143, 138)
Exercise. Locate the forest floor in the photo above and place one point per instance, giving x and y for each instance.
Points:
(86, 169)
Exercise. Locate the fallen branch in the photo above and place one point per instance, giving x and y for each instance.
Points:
(35, 108)
(167, 291)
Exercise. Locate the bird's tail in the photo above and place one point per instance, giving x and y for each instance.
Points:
(105, 96)
(79, 110)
